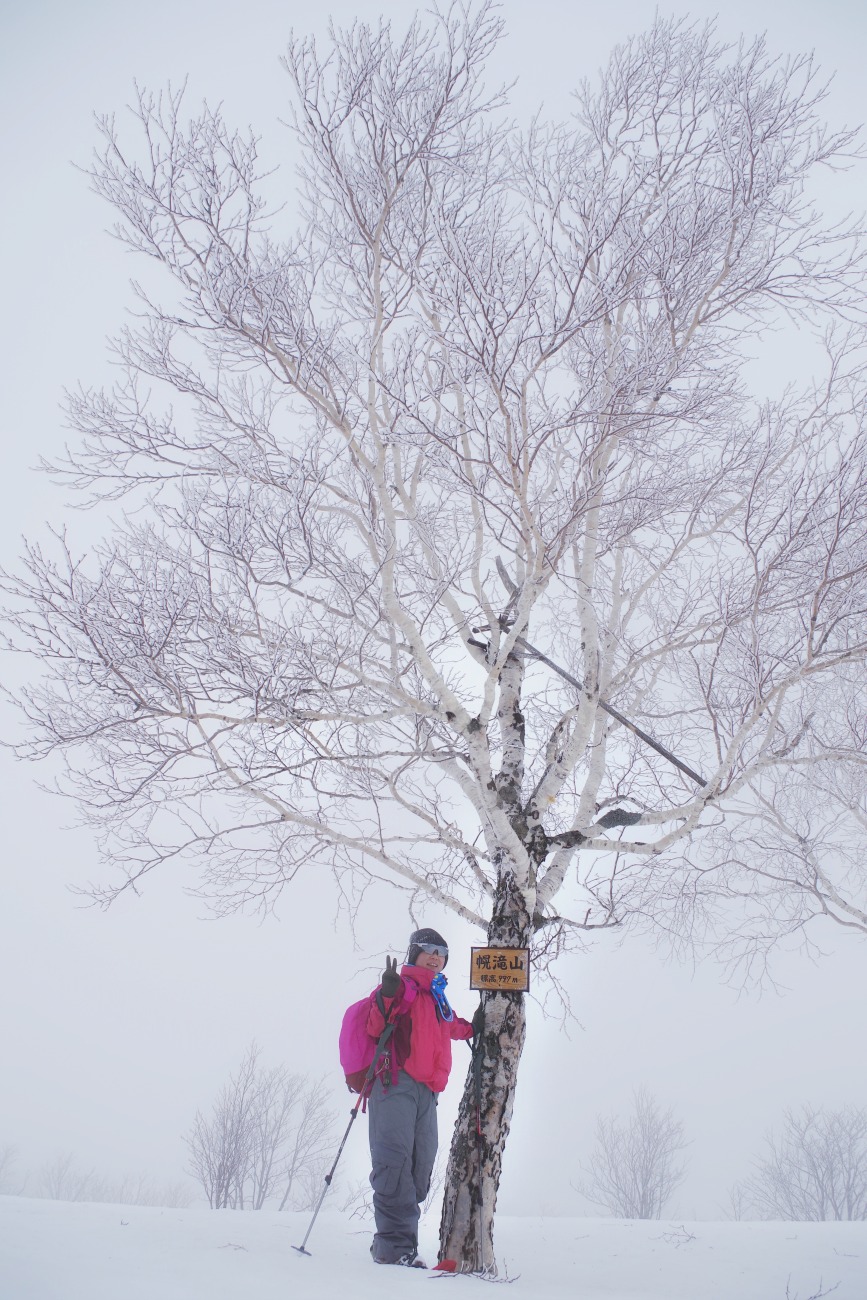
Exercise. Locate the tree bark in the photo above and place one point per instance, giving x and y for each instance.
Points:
(476, 1155)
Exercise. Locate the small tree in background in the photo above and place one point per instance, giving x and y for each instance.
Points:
(305, 1150)
(265, 1137)
(9, 1182)
(736, 1206)
(61, 1179)
(816, 1170)
(634, 1166)
(174, 1195)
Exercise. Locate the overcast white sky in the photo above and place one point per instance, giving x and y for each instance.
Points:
(116, 1027)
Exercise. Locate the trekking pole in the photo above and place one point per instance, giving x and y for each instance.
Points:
(368, 1081)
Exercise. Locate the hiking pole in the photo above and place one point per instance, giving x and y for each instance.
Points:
(368, 1082)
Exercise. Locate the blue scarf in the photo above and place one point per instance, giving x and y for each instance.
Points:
(438, 991)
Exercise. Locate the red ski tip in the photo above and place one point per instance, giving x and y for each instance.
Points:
(445, 1266)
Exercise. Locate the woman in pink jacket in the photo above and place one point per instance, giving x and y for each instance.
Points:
(403, 1103)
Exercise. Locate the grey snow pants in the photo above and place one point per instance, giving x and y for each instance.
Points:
(403, 1147)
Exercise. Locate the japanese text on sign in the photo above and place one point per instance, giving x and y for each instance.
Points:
(503, 969)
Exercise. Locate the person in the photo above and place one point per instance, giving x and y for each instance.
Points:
(403, 1100)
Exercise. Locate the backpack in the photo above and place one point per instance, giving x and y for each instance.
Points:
(358, 1051)
(357, 1048)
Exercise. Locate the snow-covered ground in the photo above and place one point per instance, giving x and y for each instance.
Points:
(53, 1250)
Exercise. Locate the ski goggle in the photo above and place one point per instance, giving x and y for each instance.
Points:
(435, 949)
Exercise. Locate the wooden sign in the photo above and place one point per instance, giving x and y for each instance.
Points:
(501, 969)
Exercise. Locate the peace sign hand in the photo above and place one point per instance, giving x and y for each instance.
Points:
(390, 978)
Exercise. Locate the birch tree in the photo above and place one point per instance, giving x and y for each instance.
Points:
(487, 401)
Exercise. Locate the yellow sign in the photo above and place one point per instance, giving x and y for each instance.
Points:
(500, 969)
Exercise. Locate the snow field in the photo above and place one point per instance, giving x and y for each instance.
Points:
(52, 1250)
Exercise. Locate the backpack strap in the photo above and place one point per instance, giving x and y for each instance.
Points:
(390, 1066)
(381, 1046)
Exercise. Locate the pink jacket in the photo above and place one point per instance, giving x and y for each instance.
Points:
(422, 1039)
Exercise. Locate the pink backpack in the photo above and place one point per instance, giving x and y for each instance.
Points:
(357, 1048)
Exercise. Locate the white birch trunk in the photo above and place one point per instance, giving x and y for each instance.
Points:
(481, 1131)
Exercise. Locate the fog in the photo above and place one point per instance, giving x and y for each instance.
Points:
(116, 1026)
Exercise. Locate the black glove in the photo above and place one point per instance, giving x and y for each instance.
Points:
(390, 978)
(478, 1021)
